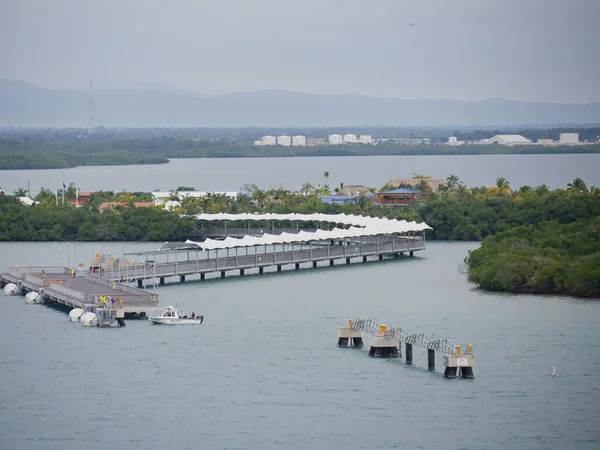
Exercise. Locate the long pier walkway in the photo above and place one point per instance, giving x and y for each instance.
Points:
(189, 261)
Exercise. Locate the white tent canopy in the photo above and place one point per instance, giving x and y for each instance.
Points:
(392, 225)
(306, 236)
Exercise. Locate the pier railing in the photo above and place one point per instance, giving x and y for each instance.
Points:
(23, 270)
(120, 286)
(263, 257)
(67, 292)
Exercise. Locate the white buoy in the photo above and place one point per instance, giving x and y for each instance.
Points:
(89, 319)
(75, 314)
(554, 371)
(32, 298)
(11, 289)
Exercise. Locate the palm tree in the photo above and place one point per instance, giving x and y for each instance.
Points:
(261, 197)
(502, 187)
(326, 175)
(21, 192)
(416, 176)
(363, 202)
(307, 189)
(578, 184)
(452, 183)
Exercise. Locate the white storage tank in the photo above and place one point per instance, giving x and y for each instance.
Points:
(89, 319)
(11, 289)
(32, 298)
(335, 139)
(284, 140)
(268, 140)
(365, 139)
(299, 141)
(75, 314)
(258, 143)
(349, 138)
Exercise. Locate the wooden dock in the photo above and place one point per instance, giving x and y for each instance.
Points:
(182, 263)
(56, 285)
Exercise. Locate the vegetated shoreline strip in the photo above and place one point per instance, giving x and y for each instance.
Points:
(535, 240)
(76, 157)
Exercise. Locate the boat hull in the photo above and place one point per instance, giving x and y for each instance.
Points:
(174, 321)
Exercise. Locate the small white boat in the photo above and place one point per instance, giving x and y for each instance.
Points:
(169, 315)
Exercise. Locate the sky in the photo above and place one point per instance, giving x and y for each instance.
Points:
(530, 50)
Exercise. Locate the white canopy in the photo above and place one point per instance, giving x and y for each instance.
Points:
(390, 225)
(302, 236)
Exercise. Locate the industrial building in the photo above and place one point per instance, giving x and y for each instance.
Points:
(365, 139)
(299, 141)
(335, 139)
(258, 142)
(508, 139)
(284, 141)
(315, 142)
(568, 138)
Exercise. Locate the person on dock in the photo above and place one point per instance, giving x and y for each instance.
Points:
(73, 272)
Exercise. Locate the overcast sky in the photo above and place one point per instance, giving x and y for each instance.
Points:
(545, 50)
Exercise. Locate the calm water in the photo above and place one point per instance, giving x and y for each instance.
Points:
(291, 173)
(264, 371)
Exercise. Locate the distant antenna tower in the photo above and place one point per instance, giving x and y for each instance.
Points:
(91, 118)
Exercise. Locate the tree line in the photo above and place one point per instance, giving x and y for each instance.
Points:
(33, 152)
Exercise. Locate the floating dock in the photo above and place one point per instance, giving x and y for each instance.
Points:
(55, 284)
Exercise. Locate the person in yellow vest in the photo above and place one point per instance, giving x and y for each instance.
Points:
(120, 302)
(73, 272)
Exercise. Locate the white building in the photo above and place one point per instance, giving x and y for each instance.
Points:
(349, 138)
(452, 140)
(164, 197)
(509, 139)
(569, 138)
(335, 139)
(299, 141)
(365, 139)
(268, 140)
(258, 142)
(27, 201)
(284, 141)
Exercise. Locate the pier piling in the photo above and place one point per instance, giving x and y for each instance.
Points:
(349, 336)
(408, 352)
(430, 359)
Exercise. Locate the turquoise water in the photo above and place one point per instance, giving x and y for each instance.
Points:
(264, 371)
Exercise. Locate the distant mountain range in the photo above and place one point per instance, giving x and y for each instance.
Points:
(22, 104)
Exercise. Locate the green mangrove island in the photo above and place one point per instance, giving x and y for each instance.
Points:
(534, 239)
(64, 151)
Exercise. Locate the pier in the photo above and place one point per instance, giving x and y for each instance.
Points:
(387, 342)
(358, 239)
(55, 284)
(366, 238)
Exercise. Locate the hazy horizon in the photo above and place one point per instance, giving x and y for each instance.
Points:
(533, 51)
